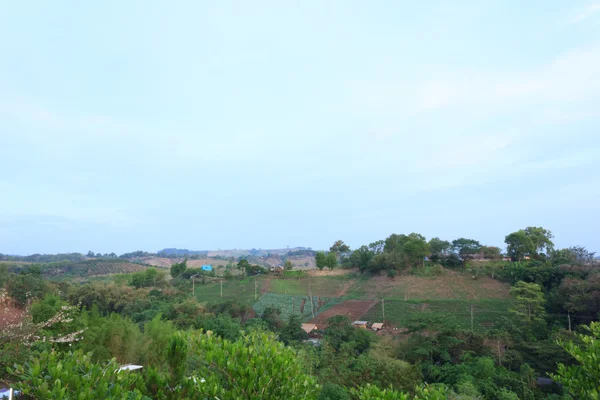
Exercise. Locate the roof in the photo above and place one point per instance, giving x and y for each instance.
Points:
(359, 323)
(378, 325)
(308, 328)
(130, 367)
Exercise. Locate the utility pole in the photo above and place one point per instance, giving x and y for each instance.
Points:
(193, 286)
(471, 317)
(569, 316)
(383, 309)
(312, 306)
(221, 289)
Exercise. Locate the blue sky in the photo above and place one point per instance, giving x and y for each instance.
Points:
(131, 125)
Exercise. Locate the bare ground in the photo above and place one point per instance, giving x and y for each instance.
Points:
(353, 309)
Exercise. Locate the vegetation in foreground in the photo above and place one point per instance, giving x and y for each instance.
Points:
(470, 339)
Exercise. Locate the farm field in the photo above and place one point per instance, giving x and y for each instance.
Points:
(399, 313)
(449, 296)
(450, 285)
(353, 309)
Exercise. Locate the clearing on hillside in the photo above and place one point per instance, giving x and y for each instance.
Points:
(450, 285)
(353, 309)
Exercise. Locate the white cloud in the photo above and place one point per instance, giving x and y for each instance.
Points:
(584, 14)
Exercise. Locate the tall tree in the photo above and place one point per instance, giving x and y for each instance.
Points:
(491, 253)
(466, 248)
(541, 238)
(519, 245)
(339, 247)
(530, 301)
(439, 248)
(178, 268)
(331, 260)
(320, 260)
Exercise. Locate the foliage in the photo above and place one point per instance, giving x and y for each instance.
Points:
(582, 380)
(74, 375)
(255, 366)
(149, 277)
(321, 260)
(288, 265)
(339, 247)
(466, 248)
(530, 301)
(331, 260)
(178, 268)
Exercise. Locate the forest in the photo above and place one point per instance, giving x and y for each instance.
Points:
(66, 338)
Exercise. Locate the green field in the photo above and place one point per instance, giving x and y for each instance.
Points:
(449, 296)
(241, 291)
(452, 312)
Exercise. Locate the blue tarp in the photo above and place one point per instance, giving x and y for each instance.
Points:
(207, 267)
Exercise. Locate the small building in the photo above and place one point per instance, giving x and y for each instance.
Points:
(207, 267)
(377, 326)
(360, 324)
(308, 328)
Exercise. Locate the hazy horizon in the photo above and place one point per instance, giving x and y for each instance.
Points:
(138, 125)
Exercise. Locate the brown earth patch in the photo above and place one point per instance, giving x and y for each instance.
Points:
(353, 309)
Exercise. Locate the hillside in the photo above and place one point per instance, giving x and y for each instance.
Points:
(82, 269)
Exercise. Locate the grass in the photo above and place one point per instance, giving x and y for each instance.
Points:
(241, 291)
(319, 286)
(454, 312)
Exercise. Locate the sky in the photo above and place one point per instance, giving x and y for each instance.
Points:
(129, 125)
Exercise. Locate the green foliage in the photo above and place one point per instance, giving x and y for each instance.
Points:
(340, 331)
(519, 245)
(25, 287)
(491, 253)
(582, 380)
(331, 260)
(288, 265)
(321, 260)
(371, 392)
(178, 268)
(110, 337)
(466, 248)
(292, 332)
(74, 375)
(331, 391)
(149, 277)
(43, 310)
(339, 247)
(529, 300)
(255, 366)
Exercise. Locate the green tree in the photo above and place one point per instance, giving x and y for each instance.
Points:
(360, 258)
(74, 375)
(541, 238)
(466, 248)
(529, 300)
(491, 253)
(331, 260)
(256, 366)
(339, 247)
(438, 248)
(288, 265)
(320, 260)
(416, 249)
(519, 245)
(178, 268)
(582, 380)
(243, 265)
